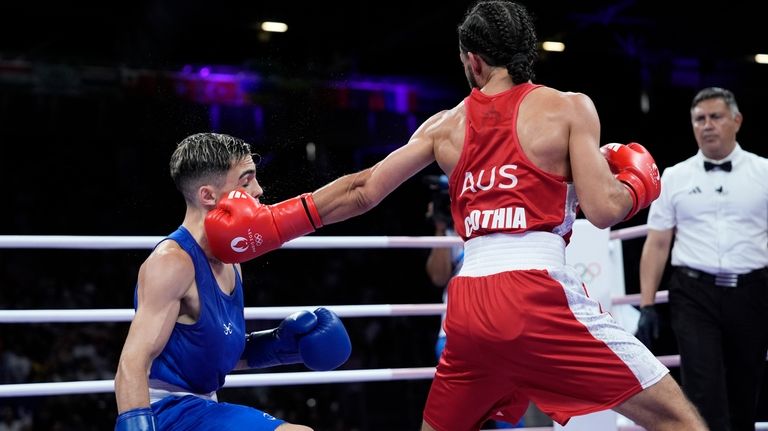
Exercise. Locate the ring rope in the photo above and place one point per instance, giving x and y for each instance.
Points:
(255, 313)
(233, 380)
(251, 313)
(247, 380)
(662, 296)
(148, 242)
(307, 242)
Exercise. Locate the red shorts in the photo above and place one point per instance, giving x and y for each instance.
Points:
(532, 335)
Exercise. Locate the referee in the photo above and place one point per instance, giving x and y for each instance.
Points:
(715, 206)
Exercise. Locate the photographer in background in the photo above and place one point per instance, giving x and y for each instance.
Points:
(442, 262)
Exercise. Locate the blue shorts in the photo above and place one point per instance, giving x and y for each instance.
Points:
(181, 413)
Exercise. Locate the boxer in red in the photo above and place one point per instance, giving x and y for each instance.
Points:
(521, 160)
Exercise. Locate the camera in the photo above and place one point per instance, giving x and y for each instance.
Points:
(441, 200)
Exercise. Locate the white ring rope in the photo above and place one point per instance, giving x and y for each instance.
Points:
(243, 380)
(307, 242)
(147, 242)
(254, 313)
(251, 313)
(232, 381)
(662, 296)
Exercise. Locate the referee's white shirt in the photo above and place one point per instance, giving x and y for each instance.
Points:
(721, 218)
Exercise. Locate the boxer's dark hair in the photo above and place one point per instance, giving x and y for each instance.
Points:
(502, 34)
(205, 158)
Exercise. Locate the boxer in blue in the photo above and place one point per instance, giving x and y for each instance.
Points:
(189, 329)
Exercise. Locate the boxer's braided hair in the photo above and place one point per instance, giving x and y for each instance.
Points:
(502, 34)
(205, 158)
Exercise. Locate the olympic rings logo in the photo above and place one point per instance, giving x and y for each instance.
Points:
(588, 272)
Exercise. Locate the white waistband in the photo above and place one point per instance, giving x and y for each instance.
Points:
(159, 389)
(499, 252)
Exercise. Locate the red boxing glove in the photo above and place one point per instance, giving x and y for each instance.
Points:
(634, 166)
(240, 228)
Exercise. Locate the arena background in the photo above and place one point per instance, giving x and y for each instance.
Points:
(94, 98)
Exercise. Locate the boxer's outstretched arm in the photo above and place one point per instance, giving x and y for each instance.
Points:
(355, 194)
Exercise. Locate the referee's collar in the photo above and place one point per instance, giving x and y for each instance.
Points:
(732, 157)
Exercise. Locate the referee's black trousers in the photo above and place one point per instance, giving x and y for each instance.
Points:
(722, 336)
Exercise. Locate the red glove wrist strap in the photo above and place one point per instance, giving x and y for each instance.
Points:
(633, 195)
(311, 209)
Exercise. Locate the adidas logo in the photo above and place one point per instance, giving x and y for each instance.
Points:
(694, 190)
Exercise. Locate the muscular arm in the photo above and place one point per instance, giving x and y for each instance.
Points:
(652, 263)
(163, 280)
(603, 199)
(354, 194)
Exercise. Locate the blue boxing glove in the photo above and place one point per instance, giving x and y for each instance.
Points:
(140, 419)
(327, 346)
(279, 346)
(317, 339)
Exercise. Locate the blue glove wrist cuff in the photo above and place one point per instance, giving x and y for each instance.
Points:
(263, 349)
(140, 419)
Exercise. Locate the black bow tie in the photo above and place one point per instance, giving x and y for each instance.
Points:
(725, 166)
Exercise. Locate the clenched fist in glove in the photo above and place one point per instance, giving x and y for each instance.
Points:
(317, 339)
(634, 166)
(240, 228)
